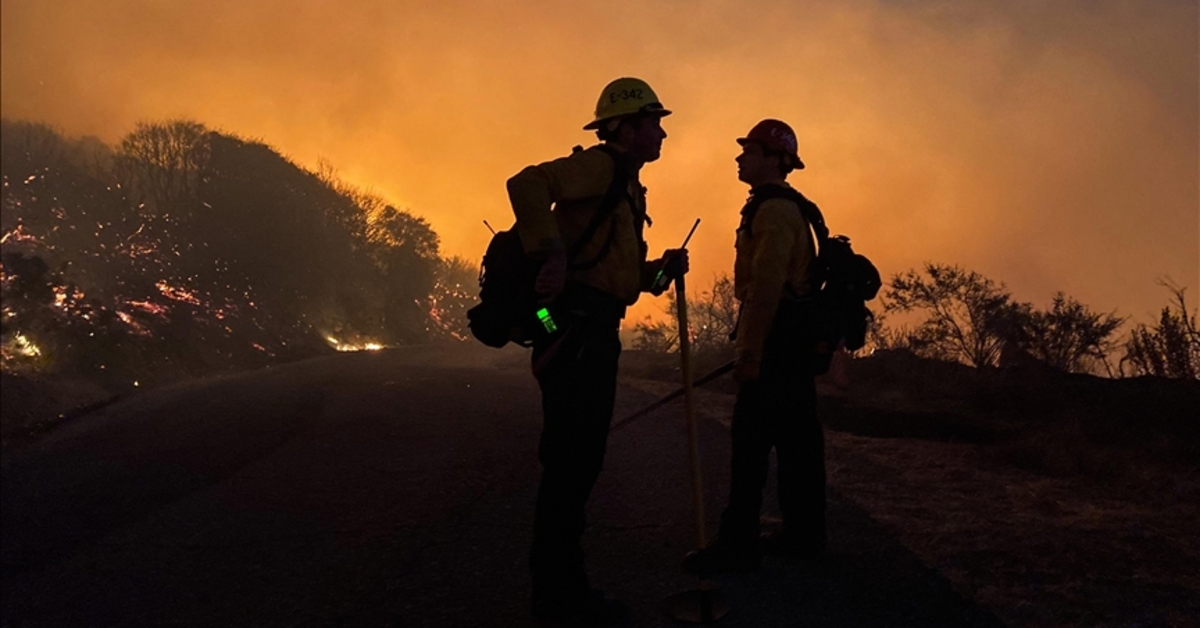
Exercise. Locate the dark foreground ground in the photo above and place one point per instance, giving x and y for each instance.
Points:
(387, 489)
(396, 489)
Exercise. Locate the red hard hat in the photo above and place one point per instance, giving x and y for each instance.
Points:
(774, 135)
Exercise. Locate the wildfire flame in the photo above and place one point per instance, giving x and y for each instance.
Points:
(146, 306)
(134, 307)
(19, 235)
(344, 346)
(135, 326)
(24, 346)
(177, 294)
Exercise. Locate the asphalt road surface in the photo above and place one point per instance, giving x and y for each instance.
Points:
(388, 489)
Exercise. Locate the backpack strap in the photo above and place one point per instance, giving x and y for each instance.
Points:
(617, 189)
(808, 209)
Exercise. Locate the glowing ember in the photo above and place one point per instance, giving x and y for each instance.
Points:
(139, 250)
(25, 346)
(177, 294)
(18, 235)
(146, 306)
(137, 327)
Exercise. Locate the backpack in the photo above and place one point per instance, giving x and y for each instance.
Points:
(507, 310)
(836, 315)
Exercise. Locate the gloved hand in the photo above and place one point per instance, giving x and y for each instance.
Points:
(674, 264)
(552, 277)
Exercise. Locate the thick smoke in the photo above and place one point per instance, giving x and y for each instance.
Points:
(1049, 145)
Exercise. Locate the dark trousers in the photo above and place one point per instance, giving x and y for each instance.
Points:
(777, 410)
(578, 379)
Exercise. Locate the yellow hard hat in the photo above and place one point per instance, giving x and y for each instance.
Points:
(623, 97)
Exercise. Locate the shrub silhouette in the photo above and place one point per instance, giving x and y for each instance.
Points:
(974, 320)
(712, 317)
(1068, 336)
(967, 314)
(1170, 347)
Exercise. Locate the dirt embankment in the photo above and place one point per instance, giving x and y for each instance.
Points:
(896, 394)
(1049, 498)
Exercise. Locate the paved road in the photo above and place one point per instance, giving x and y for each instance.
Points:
(385, 489)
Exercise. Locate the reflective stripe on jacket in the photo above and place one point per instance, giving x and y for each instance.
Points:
(574, 187)
(776, 249)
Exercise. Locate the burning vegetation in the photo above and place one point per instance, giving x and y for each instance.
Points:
(185, 251)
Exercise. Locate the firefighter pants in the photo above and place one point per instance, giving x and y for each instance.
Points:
(778, 410)
(578, 379)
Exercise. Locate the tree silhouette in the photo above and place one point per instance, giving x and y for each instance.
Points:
(712, 317)
(1170, 347)
(32, 142)
(162, 162)
(972, 319)
(967, 314)
(1068, 336)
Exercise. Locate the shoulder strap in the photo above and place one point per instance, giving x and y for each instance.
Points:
(808, 209)
(612, 197)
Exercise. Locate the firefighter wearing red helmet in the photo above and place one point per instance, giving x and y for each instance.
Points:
(777, 136)
(776, 401)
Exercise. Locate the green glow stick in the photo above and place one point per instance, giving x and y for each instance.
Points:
(547, 322)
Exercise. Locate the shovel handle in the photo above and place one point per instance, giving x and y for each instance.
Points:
(690, 403)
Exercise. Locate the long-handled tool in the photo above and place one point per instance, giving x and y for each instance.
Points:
(721, 370)
(705, 604)
(661, 279)
(675, 394)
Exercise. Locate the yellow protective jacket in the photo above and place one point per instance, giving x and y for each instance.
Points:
(555, 201)
(774, 250)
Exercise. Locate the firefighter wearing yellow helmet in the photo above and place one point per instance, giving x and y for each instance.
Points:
(625, 97)
(582, 218)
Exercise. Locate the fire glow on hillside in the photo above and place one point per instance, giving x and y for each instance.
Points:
(70, 302)
(185, 251)
(346, 347)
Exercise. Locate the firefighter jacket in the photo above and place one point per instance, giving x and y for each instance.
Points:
(775, 251)
(574, 187)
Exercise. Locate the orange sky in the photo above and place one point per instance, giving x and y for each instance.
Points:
(1050, 145)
